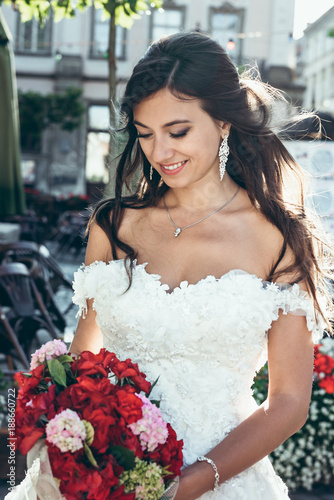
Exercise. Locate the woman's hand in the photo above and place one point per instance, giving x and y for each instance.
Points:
(195, 480)
(183, 492)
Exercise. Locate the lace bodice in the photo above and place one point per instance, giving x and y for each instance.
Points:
(209, 335)
(205, 342)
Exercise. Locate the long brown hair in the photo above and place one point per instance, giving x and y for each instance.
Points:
(192, 65)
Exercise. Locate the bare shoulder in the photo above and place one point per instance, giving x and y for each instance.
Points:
(129, 232)
(131, 218)
(98, 246)
(265, 241)
(131, 227)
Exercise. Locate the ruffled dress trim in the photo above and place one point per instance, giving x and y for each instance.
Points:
(111, 279)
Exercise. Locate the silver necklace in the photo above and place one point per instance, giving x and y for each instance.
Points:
(179, 229)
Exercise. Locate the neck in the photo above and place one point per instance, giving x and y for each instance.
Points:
(201, 198)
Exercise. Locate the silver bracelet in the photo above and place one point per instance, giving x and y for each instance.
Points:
(213, 465)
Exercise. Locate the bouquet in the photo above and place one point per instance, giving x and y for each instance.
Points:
(104, 438)
(307, 457)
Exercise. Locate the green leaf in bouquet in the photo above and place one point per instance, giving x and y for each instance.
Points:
(65, 358)
(67, 367)
(71, 378)
(155, 402)
(89, 455)
(124, 457)
(42, 386)
(153, 385)
(57, 372)
(43, 419)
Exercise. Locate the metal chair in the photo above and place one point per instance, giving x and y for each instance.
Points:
(69, 234)
(48, 276)
(23, 311)
(10, 342)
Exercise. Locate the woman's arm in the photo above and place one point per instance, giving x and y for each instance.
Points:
(290, 361)
(88, 336)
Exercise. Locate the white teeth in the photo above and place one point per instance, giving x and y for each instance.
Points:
(173, 167)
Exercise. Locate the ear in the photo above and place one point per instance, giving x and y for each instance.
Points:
(225, 128)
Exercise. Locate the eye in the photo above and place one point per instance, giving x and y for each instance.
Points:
(143, 136)
(180, 134)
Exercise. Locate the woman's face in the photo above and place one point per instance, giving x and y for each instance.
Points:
(178, 138)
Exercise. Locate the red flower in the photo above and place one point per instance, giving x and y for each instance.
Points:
(327, 383)
(129, 405)
(66, 466)
(105, 362)
(89, 363)
(102, 390)
(20, 378)
(323, 363)
(28, 384)
(121, 435)
(129, 370)
(169, 453)
(80, 481)
(28, 413)
(32, 435)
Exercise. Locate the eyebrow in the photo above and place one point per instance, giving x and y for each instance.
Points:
(169, 124)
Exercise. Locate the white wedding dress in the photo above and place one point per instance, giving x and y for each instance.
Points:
(205, 342)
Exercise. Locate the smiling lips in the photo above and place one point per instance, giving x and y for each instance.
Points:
(174, 168)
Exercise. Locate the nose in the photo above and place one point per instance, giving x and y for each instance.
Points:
(161, 150)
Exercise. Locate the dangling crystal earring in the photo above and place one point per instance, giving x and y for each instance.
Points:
(151, 173)
(223, 156)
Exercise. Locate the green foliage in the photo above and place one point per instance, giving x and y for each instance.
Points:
(260, 386)
(124, 457)
(307, 457)
(3, 383)
(331, 32)
(65, 110)
(124, 11)
(57, 372)
(146, 475)
(89, 455)
(37, 112)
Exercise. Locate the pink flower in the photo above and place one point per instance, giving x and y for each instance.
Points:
(48, 351)
(151, 428)
(66, 431)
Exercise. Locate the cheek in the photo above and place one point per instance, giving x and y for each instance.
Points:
(207, 139)
(207, 148)
(144, 147)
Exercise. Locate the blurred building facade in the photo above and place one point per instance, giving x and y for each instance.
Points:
(315, 70)
(73, 53)
(317, 60)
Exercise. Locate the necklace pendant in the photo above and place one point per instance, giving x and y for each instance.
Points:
(177, 232)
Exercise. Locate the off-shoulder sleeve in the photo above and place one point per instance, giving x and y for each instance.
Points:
(100, 281)
(80, 295)
(292, 299)
(85, 284)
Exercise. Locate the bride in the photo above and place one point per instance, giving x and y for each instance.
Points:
(204, 270)
(194, 272)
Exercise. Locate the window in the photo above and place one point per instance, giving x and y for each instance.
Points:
(331, 86)
(322, 89)
(98, 117)
(226, 25)
(166, 21)
(98, 138)
(100, 37)
(32, 38)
